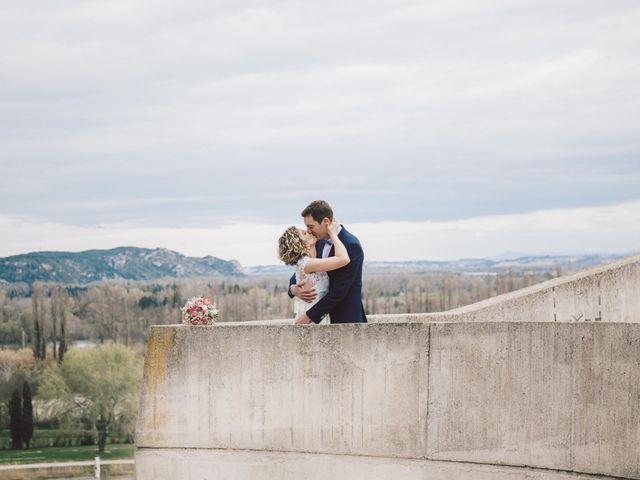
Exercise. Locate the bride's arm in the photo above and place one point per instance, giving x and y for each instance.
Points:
(340, 259)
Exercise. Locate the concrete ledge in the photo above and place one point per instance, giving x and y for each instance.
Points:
(546, 378)
(544, 395)
(235, 464)
(606, 293)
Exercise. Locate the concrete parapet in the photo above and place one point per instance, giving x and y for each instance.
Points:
(331, 389)
(555, 396)
(546, 378)
(606, 293)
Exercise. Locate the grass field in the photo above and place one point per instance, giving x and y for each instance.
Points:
(65, 454)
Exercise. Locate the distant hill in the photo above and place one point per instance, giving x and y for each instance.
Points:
(126, 263)
(131, 263)
(531, 263)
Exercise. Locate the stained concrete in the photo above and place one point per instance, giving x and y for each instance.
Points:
(333, 389)
(544, 395)
(272, 400)
(558, 396)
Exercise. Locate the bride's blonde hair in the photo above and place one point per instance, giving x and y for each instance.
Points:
(291, 246)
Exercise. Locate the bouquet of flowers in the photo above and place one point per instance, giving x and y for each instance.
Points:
(199, 311)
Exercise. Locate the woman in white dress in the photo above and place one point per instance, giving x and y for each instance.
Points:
(298, 247)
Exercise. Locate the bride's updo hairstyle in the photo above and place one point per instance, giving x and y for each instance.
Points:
(291, 246)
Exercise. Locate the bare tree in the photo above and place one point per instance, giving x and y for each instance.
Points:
(63, 305)
(54, 307)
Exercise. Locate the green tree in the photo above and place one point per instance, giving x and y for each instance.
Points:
(38, 338)
(100, 384)
(27, 414)
(15, 425)
(63, 338)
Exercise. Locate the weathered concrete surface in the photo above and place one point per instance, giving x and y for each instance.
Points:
(332, 389)
(559, 396)
(404, 395)
(236, 464)
(545, 395)
(606, 293)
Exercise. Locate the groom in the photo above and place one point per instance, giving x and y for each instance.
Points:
(344, 300)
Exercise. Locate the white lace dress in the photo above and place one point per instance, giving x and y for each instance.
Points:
(320, 281)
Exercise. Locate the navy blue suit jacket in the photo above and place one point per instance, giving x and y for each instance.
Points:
(344, 299)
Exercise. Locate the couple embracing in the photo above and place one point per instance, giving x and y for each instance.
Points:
(327, 284)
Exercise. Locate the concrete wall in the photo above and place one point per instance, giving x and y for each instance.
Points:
(334, 389)
(558, 396)
(544, 378)
(606, 293)
(543, 395)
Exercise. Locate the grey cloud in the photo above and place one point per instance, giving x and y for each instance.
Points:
(143, 111)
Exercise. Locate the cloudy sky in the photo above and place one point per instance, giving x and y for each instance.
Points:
(437, 129)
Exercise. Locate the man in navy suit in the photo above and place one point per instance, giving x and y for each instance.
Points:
(343, 302)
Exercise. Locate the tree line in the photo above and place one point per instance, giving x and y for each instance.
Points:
(50, 317)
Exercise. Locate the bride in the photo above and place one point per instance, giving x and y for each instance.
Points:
(298, 247)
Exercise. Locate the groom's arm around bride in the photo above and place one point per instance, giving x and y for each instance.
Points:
(343, 302)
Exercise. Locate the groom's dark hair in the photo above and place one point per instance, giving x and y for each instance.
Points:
(318, 209)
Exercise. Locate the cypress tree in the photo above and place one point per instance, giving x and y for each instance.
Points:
(62, 347)
(27, 414)
(39, 337)
(36, 338)
(15, 425)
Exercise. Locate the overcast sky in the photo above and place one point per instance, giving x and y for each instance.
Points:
(437, 129)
